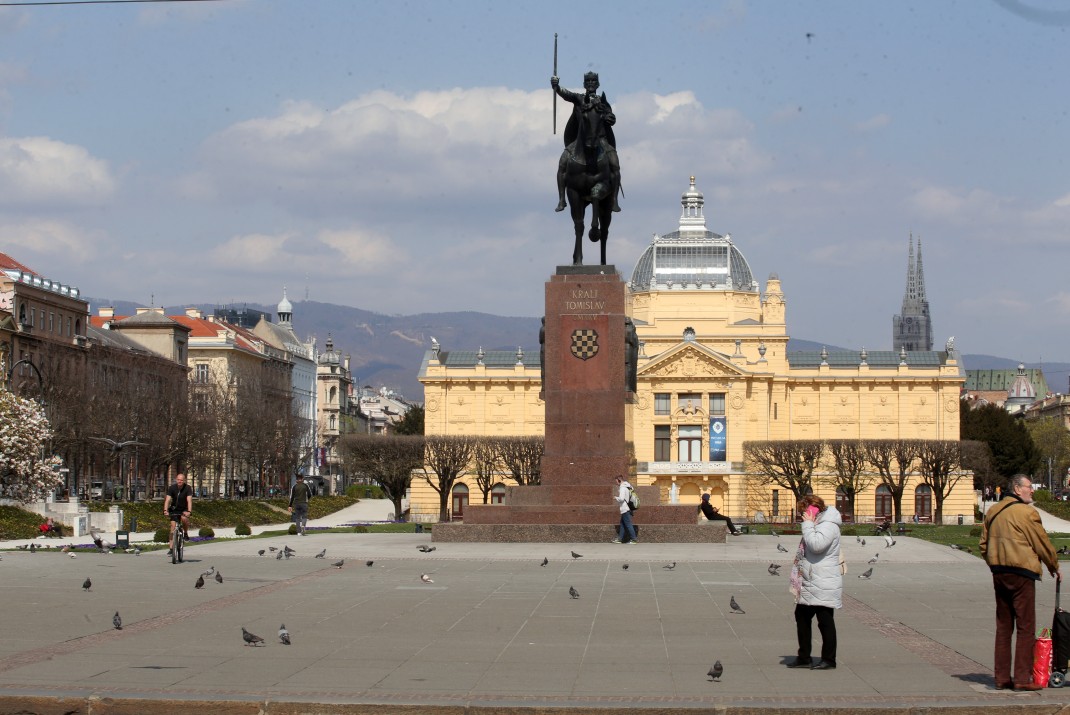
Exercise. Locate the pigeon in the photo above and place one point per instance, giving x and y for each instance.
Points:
(956, 547)
(888, 541)
(716, 671)
(72, 555)
(218, 577)
(429, 549)
(774, 533)
(67, 549)
(774, 569)
(624, 566)
(287, 554)
(87, 584)
(367, 563)
(279, 557)
(288, 550)
(544, 561)
(780, 547)
(735, 606)
(128, 551)
(970, 551)
(576, 556)
(572, 592)
(321, 554)
(863, 542)
(200, 582)
(249, 638)
(273, 549)
(423, 548)
(670, 567)
(874, 559)
(137, 551)
(23, 547)
(858, 539)
(209, 572)
(260, 552)
(867, 573)
(117, 621)
(284, 635)
(426, 578)
(33, 548)
(338, 564)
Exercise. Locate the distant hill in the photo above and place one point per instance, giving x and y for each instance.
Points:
(386, 350)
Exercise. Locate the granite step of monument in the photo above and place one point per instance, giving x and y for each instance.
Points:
(575, 514)
(576, 533)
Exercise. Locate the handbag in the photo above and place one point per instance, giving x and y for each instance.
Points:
(1042, 658)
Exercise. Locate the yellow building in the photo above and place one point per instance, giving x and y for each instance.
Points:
(714, 372)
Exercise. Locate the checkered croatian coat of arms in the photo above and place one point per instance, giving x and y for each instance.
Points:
(584, 343)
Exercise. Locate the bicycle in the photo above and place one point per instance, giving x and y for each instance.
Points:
(176, 538)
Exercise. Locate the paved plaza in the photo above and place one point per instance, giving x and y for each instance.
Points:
(495, 631)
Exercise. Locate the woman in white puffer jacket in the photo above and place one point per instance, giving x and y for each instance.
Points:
(817, 581)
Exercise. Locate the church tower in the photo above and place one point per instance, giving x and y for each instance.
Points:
(912, 329)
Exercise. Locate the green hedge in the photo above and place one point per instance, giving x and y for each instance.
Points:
(319, 506)
(16, 523)
(215, 513)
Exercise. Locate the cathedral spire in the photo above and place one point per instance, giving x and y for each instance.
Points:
(912, 328)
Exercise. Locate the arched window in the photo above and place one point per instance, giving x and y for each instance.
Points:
(333, 421)
(460, 500)
(923, 502)
(882, 502)
(497, 493)
(844, 506)
(332, 396)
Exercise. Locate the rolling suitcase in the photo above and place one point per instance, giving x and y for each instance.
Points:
(1060, 642)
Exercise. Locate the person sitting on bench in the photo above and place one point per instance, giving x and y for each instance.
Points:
(712, 514)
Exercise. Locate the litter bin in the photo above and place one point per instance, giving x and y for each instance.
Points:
(133, 524)
(745, 529)
(419, 528)
(960, 519)
(122, 539)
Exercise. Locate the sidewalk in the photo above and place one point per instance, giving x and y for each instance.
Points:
(494, 632)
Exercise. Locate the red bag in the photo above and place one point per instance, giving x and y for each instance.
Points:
(1042, 658)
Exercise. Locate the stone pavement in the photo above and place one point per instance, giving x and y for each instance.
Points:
(495, 631)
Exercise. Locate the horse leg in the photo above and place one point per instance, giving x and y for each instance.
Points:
(596, 231)
(605, 229)
(576, 206)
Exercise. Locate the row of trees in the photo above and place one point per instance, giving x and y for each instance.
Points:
(853, 466)
(237, 426)
(391, 460)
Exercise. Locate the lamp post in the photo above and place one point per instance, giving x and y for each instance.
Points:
(36, 371)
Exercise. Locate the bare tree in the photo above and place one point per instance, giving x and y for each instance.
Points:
(787, 463)
(522, 458)
(485, 464)
(447, 456)
(388, 460)
(894, 461)
(848, 462)
(940, 462)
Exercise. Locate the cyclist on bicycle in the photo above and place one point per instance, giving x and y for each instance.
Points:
(300, 494)
(178, 505)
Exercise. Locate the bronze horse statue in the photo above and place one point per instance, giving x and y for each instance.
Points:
(587, 184)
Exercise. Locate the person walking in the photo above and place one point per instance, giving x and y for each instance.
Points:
(300, 494)
(625, 531)
(817, 581)
(1013, 544)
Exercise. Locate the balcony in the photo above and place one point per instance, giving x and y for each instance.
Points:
(689, 467)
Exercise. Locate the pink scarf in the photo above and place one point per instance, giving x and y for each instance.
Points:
(795, 580)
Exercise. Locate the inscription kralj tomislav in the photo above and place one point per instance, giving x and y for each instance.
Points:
(588, 173)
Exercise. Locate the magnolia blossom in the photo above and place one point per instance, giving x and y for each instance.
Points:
(25, 473)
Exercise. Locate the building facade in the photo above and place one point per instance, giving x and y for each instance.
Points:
(714, 372)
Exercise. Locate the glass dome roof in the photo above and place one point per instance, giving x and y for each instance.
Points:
(692, 257)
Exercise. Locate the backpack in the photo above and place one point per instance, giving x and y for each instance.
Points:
(633, 499)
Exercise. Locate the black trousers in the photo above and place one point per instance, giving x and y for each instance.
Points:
(804, 616)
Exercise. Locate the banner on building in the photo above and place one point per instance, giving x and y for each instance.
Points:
(718, 440)
(321, 456)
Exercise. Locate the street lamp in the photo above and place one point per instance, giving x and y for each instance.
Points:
(36, 371)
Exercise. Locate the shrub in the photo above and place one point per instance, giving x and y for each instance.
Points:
(207, 532)
(242, 529)
(292, 530)
(360, 529)
(162, 535)
(364, 491)
(975, 531)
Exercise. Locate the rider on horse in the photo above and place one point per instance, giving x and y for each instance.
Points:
(588, 135)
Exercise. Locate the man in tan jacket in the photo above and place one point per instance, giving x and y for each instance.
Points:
(1014, 544)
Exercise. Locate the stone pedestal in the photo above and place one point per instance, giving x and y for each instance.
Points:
(587, 430)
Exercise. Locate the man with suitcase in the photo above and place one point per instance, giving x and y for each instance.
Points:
(1013, 544)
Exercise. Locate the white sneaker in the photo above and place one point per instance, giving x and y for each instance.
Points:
(615, 541)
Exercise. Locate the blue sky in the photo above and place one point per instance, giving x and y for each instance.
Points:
(399, 156)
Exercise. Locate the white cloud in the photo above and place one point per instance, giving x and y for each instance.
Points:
(874, 123)
(38, 171)
(331, 252)
(48, 237)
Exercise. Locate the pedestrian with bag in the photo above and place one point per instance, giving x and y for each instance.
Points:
(625, 531)
(1014, 544)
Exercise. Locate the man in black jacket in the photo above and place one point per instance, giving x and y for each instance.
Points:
(712, 514)
(300, 494)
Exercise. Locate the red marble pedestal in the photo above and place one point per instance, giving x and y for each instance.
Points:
(587, 431)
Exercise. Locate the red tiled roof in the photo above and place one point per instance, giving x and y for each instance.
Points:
(9, 263)
(199, 328)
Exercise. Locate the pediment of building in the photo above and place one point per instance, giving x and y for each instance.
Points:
(689, 360)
